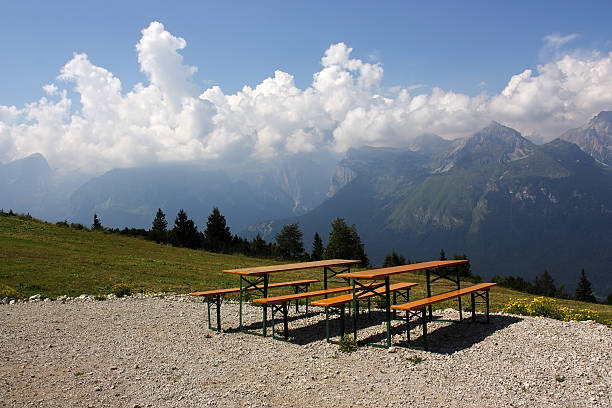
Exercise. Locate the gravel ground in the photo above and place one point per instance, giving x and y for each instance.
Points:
(154, 351)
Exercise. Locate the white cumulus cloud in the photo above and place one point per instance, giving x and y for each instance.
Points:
(170, 119)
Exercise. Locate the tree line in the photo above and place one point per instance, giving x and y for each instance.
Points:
(544, 285)
(343, 242)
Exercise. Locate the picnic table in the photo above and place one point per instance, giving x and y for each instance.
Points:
(373, 280)
(257, 278)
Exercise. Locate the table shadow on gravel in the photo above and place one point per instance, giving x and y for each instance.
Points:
(452, 336)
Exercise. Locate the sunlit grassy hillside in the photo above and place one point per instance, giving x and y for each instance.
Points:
(38, 257)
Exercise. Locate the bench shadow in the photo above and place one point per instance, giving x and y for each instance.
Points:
(442, 337)
(453, 336)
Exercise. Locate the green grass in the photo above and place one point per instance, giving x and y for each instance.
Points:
(38, 257)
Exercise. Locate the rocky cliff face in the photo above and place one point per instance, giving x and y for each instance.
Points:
(595, 138)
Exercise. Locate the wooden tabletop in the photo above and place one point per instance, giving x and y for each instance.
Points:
(263, 270)
(384, 272)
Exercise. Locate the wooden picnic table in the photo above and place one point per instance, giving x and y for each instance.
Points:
(372, 278)
(257, 277)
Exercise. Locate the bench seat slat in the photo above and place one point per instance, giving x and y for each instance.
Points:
(418, 304)
(225, 291)
(342, 299)
(296, 296)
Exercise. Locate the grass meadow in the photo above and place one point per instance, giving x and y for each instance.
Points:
(53, 260)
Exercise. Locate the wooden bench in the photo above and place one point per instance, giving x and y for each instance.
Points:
(479, 290)
(342, 300)
(217, 294)
(284, 299)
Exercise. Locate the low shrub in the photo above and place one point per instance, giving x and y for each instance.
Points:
(348, 344)
(547, 307)
(62, 224)
(121, 289)
(8, 292)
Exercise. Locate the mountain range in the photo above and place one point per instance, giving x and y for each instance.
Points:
(513, 207)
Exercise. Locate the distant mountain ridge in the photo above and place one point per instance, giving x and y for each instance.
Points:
(595, 137)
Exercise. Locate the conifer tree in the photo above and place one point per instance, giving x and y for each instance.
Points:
(97, 225)
(317, 248)
(344, 243)
(185, 233)
(394, 259)
(289, 241)
(259, 247)
(584, 292)
(159, 231)
(545, 285)
(217, 236)
(442, 255)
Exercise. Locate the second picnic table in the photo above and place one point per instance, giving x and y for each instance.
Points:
(257, 278)
(369, 280)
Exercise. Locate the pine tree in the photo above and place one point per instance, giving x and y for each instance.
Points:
(289, 241)
(97, 225)
(259, 247)
(442, 255)
(344, 243)
(545, 285)
(317, 248)
(159, 231)
(394, 259)
(584, 292)
(217, 236)
(465, 269)
(185, 233)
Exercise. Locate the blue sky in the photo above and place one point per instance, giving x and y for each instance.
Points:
(454, 45)
(463, 48)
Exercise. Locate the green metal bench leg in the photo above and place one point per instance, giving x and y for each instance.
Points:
(395, 303)
(342, 321)
(473, 307)
(408, 326)
(285, 323)
(424, 319)
(487, 297)
(327, 324)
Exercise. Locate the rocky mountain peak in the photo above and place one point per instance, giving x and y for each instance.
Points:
(495, 143)
(595, 138)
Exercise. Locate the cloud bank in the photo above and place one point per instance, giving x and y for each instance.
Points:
(170, 119)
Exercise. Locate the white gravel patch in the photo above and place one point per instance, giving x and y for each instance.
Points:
(152, 351)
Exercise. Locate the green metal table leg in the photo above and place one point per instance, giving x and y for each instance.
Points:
(459, 298)
(240, 301)
(218, 312)
(354, 315)
(427, 274)
(388, 304)
(265, 307)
